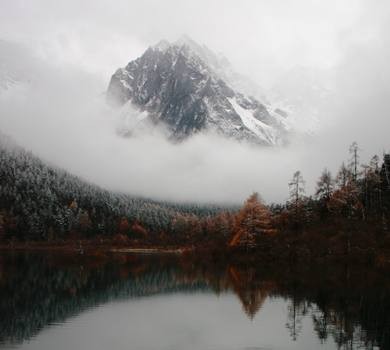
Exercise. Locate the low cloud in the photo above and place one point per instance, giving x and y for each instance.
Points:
(61, 115)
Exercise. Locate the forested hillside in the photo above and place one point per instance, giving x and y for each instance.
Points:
(42, 202)
(348, 216)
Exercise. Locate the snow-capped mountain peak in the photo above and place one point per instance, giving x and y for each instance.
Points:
(187, 88)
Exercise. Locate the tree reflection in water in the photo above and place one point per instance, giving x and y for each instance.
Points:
(350, 305)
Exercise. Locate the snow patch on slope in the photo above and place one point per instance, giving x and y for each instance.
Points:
(259, 128)
(187, 88)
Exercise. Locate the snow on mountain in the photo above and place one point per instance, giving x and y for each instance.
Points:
(187, 88)
(224, 69)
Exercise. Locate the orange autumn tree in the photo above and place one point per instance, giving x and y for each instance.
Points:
(252, 221)
(345, 202)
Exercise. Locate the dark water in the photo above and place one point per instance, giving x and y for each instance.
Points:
(50, 301)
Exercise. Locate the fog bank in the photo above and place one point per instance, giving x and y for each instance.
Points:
(55, 105)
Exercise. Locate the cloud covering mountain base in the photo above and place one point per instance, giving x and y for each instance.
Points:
(59, 112)
(63, 118)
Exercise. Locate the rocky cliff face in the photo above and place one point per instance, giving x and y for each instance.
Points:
(187, 88)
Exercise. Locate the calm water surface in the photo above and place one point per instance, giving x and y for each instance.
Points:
(49, 301)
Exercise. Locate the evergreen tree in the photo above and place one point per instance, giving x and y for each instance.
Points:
(297, 191)
(325, 186)
(252, 221)
(354, 160)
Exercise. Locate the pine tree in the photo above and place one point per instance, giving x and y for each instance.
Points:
(297, 191)
(252, 221)
(354, 160)
(325, 186)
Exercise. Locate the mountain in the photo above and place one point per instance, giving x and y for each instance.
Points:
(186, 88)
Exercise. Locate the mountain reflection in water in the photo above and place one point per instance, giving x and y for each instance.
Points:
(328, 307)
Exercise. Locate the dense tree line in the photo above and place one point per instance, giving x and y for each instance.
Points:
(358, 192)
(41, 202)
(348, 215)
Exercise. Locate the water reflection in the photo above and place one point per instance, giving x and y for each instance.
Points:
(330, 308)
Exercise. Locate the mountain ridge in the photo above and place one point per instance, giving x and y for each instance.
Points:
(184, 87)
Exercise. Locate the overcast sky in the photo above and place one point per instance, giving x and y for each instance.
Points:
(263, 37)
(81, 43)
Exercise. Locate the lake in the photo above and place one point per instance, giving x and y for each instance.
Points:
(64, 301)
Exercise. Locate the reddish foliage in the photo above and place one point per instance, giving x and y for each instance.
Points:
(252, 221)
(124, 226)
(139, 230)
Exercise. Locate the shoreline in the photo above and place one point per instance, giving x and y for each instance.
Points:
(269, 253)
(150, 251)
(91, 248)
